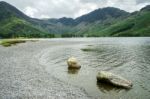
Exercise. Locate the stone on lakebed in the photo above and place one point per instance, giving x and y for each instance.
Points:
(110, 78)
(73, 63)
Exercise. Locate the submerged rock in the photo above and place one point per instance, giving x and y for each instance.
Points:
(73, 63)
(113, 79)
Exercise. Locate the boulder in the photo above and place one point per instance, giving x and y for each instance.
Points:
(73, 63)
(110, 78)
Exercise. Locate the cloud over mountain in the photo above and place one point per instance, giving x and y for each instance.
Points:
(72, 8)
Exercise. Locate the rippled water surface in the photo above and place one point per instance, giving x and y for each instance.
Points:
(128, 57)
(39, 68)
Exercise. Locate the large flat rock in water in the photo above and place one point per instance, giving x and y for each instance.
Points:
(110, 78)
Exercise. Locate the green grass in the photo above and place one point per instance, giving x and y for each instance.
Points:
(9, 42)
(14, 27)
(137, 25)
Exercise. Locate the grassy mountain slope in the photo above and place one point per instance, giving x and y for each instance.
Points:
(14, 23)
(137, 24)
(15, 27)
(70, 27)
(101, 22)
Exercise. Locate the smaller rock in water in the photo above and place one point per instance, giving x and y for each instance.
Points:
(104, 76)
(73, 63)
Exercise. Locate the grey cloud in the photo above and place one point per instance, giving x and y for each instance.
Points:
(93, 1)
(142, 1)
(72, 8)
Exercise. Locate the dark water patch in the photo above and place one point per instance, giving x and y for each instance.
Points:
(106, 88)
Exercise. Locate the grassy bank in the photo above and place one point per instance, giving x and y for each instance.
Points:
(10, 42)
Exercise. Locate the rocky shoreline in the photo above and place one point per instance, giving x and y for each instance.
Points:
(21, 77)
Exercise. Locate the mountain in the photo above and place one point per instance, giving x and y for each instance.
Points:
(65, 21)
(97, 15)
(7, 11)
(112, 22)
(137, 24)
(102, 14)
(107, 21)
(70, 27)
(133, 24)
(16, 24)
(147, 8)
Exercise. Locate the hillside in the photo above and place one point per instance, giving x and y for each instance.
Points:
(138, 25)
(16, 24)
(107, 21)
(103, 22)
(101, 15)
(135, 24)
(7, 11)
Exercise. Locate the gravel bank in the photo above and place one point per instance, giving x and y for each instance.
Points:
(22, 77)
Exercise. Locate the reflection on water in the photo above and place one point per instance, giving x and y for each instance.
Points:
(73, 71)
(127, 57)
(104, 87)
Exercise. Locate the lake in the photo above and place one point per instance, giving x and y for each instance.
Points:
(39, 69)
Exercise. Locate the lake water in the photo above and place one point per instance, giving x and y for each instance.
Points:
(128, 57)
(39, 68)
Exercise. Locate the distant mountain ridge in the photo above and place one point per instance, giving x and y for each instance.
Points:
(100, 14)
(107, 21)
(147, 8)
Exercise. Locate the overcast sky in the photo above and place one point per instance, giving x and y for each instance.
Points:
(72, 8)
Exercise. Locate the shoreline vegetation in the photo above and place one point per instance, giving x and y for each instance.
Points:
(10, 42)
